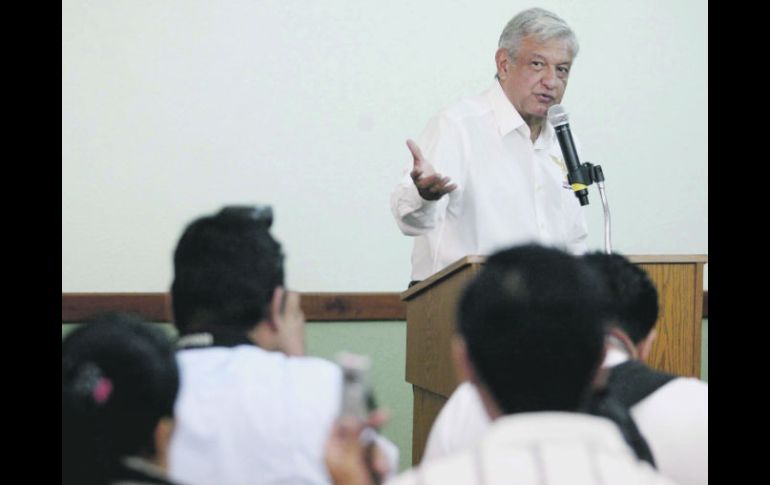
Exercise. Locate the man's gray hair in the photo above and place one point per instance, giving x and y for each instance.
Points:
(542, 24)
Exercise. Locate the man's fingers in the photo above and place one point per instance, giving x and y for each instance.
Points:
(436, 184)
(425, 182)
(416, 153)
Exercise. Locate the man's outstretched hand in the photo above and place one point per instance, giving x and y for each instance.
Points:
(430, 184)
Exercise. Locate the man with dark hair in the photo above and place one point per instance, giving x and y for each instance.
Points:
(531, 331)
(671, 412)
(228, 275)
(252, 408)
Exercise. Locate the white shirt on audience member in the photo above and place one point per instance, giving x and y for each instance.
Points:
(547, 448)
(248, 416)
(673, 420)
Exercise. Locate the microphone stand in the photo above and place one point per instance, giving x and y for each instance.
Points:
(593, 173)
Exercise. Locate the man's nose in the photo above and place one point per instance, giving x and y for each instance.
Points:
(549, 78)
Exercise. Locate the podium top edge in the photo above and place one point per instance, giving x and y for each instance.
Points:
(476, 259)
(452, 268)
(668, 258)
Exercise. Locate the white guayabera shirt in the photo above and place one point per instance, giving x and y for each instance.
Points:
(510, 190)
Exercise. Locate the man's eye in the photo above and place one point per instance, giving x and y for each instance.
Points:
(563, 70)
(537, 64)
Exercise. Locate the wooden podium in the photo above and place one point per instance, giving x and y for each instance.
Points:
(430, 316)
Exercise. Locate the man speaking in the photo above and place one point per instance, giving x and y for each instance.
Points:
(488, 172)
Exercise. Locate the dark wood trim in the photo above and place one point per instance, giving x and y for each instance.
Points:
(338, 307)
(318, 307)
(77, 307)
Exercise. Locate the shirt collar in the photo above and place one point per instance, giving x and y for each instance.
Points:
(213, 337)
(508, 119)
(547, 137)
(525, 428)
(614, 357)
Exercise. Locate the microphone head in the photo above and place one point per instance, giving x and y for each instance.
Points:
(557, 115)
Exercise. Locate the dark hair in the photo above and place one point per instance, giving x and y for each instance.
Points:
(119, 378)
(226, 267)
(533, 322)
(634, 299)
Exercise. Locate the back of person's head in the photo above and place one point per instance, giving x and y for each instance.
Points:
(226, 267)
(634, 299)
(533, 325)
(541, 24)
(119, 380)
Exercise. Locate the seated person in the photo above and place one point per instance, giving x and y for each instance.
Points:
(670, 412)
(119, 383)
(252, 407)
(531, 340)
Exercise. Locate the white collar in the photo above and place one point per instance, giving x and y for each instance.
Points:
(144, 465)
(616, 352)
(526, 428)
(508, 119)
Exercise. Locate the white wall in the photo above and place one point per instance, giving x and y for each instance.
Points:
(171, 109)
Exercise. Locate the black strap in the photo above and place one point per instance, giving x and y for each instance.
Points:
(627, 384)
(604, 404)
(632, 381)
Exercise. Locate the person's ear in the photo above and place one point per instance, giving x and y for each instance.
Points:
(645, 346)
(163, 432)
(462, 363)
(623, 337)
(602, 373)
(276, 307)
(503, 63)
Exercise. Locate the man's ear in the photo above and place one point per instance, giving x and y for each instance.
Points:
(163, 432)
(602, 373)
(623, 337)
(645, 346)
(462, 363)
(276, 307)
(503, 63)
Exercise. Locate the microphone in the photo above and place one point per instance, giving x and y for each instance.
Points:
(557, 115)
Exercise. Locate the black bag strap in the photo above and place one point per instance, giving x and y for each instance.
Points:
(604, 404)
(632, 381)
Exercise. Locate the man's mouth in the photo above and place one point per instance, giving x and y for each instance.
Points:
(544, 98)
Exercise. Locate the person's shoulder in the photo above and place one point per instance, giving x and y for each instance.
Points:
(314, 366)
(465, 108)
(682, 403)
(465, 397)
(456, 468)
(684, 388)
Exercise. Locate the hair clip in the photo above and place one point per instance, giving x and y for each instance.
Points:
(92, 384)
(102, 390)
